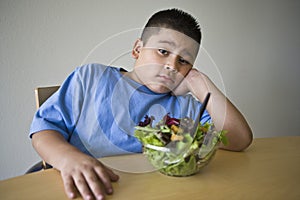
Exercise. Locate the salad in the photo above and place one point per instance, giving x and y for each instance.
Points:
(178, 147)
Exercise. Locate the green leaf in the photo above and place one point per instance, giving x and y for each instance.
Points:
(223, 137)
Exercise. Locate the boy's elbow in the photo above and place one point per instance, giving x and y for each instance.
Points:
(240, 142)
(244, 145)
(248, 138)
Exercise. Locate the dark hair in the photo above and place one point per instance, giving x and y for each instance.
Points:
(175, 19)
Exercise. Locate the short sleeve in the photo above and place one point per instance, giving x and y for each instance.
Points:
(61, 111)
(205, 118)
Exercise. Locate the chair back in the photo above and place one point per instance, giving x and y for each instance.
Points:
(43, 93)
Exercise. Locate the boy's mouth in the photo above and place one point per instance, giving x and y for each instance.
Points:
(165, 78)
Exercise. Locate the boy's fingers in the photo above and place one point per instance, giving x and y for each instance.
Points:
(113, 177)
(82, 186)
(95, 185)
(92, 182)
(105, 178)
(69, 186)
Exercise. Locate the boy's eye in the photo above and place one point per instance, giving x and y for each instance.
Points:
(163, 51)
(183, 61)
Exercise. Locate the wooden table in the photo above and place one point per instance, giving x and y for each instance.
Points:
(269, 169)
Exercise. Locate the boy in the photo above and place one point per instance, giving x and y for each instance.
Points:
(95, 110)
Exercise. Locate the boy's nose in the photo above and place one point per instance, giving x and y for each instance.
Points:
(171, 68)
(171, 65)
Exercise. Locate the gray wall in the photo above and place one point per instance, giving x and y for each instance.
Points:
(254, 44)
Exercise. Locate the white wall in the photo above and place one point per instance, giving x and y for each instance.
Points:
(255, 45)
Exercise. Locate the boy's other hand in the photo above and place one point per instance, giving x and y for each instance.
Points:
(185, 86)
(86, 175)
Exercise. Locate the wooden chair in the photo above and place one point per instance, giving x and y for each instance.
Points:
(41, 95)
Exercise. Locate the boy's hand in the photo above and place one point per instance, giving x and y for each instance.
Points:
(86, 175)
(223, 113)
(80, 172)
(185, 86)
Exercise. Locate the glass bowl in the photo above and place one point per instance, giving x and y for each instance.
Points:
(185, 163)
(179, 147)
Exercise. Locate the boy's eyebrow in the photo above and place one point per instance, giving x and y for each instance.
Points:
(173, 44)
(168, 42)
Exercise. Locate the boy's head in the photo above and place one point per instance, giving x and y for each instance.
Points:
(174, 19)
(166, 51)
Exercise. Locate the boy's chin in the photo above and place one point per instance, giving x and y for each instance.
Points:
(159, 88)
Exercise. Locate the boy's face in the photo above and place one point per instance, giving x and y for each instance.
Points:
(165, 59)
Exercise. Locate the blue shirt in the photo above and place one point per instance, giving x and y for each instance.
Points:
(97, 108)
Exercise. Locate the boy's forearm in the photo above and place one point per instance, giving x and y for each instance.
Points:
(52, 147)
(80, 172)
(224, 114)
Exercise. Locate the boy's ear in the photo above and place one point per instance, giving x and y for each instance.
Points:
(137, 48)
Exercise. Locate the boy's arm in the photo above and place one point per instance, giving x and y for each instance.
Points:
(79, 171)
(224, 114)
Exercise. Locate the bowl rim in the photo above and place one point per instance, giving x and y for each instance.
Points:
(157, 148)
